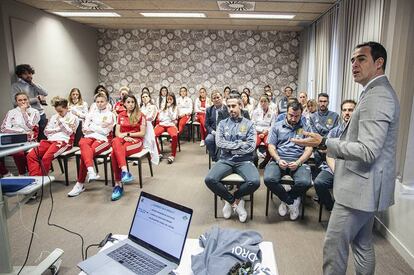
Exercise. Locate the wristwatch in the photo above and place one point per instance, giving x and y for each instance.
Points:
(322, 145)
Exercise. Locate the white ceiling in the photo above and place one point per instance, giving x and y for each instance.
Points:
(305, 11)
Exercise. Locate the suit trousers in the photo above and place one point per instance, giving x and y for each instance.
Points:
(346, 227)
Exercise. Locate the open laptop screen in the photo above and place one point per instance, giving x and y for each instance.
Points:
(161, 224)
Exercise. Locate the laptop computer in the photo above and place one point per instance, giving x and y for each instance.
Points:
(155, 241)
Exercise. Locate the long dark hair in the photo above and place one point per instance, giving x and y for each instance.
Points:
(171, 94)
(160, 96)
(136, 112)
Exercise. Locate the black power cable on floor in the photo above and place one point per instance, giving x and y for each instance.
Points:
(39, 159)
(35, 221)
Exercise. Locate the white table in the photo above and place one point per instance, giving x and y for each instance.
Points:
(192, 247)
(5, 258)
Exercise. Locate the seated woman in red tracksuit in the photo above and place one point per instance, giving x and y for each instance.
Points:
(60, 133)
(97, 131)
(21, 120)
(167, 122)
(129, 136)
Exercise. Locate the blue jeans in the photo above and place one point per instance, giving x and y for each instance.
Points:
(222, 169)
(210, 142)
(301, 177)
(324, 182)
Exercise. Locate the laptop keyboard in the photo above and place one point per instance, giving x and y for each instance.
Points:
(136, 260)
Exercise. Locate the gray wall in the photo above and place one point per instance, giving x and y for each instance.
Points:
(63, 52)
(197, 58)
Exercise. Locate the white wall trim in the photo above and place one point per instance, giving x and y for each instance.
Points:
(395, 242)
(398, 245)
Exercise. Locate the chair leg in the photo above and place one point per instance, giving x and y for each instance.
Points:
(209, 162)
(96, 165)
(140, 172)
(77, 164)
(267, 200)
(112, 177)
(150, 163)
(106, 169)
(303, 206)
(192, 128)
(65, 163)
(215, 206)
(179, 145)
(160, 141)
(60, 165)
(320, 212)
(251, 205)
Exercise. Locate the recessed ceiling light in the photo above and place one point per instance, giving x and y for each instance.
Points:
(172, 14)
(86, 14)
(261, 16)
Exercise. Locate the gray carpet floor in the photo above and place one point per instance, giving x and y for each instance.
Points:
(297, 244)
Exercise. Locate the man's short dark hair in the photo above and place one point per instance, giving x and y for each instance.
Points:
(377, 51)
(295, 106)
(348, 101)
(288, 87)
(323, 95)
(235, 95)
(24, 68)
(267, 86)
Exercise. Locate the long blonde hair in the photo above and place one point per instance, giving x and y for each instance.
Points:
(80, 102)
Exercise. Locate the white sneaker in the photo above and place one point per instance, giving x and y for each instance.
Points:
(294, 209)
(282, 209)
(92, 176)
(76, 190)
(239, 209)
(202, 143)
(227, 210)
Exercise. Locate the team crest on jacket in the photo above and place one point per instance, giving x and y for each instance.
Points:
(329, 122)
(243, 129)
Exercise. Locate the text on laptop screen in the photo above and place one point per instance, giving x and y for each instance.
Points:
(160, 225)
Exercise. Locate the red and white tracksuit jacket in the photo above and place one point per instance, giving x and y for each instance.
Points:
(97, 138)
(200, 111)
(121, 148)
(60, 135)
(262, 122)
(167, 123)
(185, 109)
(17, 121)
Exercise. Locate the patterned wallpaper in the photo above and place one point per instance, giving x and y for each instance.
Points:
(197, 58)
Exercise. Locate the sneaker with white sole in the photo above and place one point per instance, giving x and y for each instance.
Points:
(227, 210)
(294, 209)
(92, 176)
(76, 190)
(202, 143)
(282, 209)
(239, 209)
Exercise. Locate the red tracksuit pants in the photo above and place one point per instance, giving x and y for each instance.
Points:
(182, 122)
(89, 148)
(260, 140)
(172, 131)
(46, 151)
(201, 117)
(120, 150)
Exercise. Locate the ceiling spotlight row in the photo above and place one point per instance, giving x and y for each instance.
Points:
(178, 15)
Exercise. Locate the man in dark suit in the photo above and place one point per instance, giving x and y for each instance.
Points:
(365, 170)
(212, 114)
